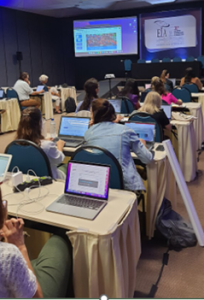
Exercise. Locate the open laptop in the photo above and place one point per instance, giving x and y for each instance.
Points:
(147, 86)
(173, 80)
(86, 190)
(145, 131)
(1, 94)
(39, 88)
(167, 110)
(5, 160)
(117, 103)
(72, 130)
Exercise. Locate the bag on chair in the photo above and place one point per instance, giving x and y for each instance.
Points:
(178, 232)
(70, 105)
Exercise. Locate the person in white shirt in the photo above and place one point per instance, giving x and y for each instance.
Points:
(24, 91)
(30, 128)
(55, 95)
(47, 276)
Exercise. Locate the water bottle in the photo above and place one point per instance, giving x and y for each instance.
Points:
(52, 129)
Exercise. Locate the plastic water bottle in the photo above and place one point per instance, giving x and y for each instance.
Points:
(52, 129)
(44, 133)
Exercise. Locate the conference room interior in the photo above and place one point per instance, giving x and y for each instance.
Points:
(46, 46)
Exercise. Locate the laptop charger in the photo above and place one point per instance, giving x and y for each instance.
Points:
(17, 178)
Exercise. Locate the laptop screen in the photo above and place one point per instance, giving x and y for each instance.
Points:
(88, 179)
(40, 87)
(147, 86)
(173, 80)
(1, 93)
(116, 104)
(4, 164)
(167, 110)
(145, 131)
(73, 126)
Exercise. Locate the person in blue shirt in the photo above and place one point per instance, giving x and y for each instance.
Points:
(118, 139)
(91, 88)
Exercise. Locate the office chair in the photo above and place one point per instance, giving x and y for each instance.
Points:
(127, 106)
(155, 60)
(11, 93)
(182, 93)
(190, 58)
(166, 59)
(177, 59)
(141, 61)
(192, 87)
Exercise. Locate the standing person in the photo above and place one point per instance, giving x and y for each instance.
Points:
(131, 91)
(55, 95)
(165, 79)
(191, 78)
(91, 88)
(24, 91)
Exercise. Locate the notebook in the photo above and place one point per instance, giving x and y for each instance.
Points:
(167, 110)
(86, 190)
(72, 130)
(117, 103)
(5, 160)
(145, 131)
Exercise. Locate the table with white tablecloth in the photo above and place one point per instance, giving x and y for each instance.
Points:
(65, 93)
(11, 117)
(47, 105)
(200, 98)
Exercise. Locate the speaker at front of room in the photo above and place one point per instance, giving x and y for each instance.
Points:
(19, 55)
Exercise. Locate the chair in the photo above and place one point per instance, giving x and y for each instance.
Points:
(127, 65)
(155, 60)
(11, 93)
(166, 59)
(176, 59)
(192, 87)
(182, 93)
(143, 117)
(127, 106)
(27, 155)
(167, 87)
(201, 59)
(190, 58)
(141, 61)
(101, 156)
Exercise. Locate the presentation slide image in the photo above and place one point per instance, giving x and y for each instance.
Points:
(170, 33)
(104, 41)
(73, 126)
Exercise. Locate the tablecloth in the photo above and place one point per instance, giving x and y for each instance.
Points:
(47, 106)
(186, 149)
(65, 93)
(200, 97)
(11, 117)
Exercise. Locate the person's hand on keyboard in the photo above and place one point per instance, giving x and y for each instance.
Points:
(60, 145)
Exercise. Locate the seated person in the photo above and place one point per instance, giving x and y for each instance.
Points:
(166, 96)
(131, 91)
(152, 106)
(46, 277)
(30, 128)
(118, 139)
(55, 95)
(24, 91)
(165, 79)
(154, 80)
(91, 88)
(191, 78)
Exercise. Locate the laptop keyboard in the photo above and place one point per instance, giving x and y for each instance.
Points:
(75, 201)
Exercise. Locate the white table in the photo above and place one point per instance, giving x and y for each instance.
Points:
(65, 93)
(105, 251)
(200, 97)
(11, 117)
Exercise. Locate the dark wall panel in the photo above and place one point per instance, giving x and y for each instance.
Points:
(3, 72)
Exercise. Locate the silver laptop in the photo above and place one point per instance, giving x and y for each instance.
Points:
(5, 160)
(173, 80)
(117, 103)
(145, 131)
(167, 110)
(72, 130)
(86, 191)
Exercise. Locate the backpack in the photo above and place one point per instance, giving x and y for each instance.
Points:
(178, 232)
(70, 105)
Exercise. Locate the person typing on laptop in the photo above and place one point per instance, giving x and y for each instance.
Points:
(118, 139)
(30, 128)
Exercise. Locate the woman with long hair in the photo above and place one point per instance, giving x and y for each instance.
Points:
(30, 128)
(131, 91)
(166, 96)
(91, 88)
(118, 139)
(165, 79)
(190, 77)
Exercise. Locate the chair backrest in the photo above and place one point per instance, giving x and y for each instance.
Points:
(176, 59)
(182, 93)
(27, 155)
(190, 58)
(143, 117)
(2, 94)
(141, 61)
(11, 93)
(201, 59)
(166, 59)
(155, 60)
(101, 156)
(192, 87)
(127, 106)
(167, 87)
(83, 113)
(143, 95)
(127, 64)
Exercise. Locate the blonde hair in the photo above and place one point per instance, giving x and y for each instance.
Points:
(152, 103)
(154, 80)
(43, 78)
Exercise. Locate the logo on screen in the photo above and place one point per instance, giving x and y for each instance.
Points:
(161, 32)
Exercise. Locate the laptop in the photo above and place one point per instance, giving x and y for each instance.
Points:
(117, 103)
(40, 88)
(173, 80)
(147, 86)
(167, 110)
(86, 190)
(145, 131)
(1, 94)
(5, 160)
(72, 130)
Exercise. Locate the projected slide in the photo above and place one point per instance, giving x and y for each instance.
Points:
(105, 37)
(173, 33)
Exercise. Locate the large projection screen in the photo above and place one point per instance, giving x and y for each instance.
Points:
(106, 37)
(170, 34)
